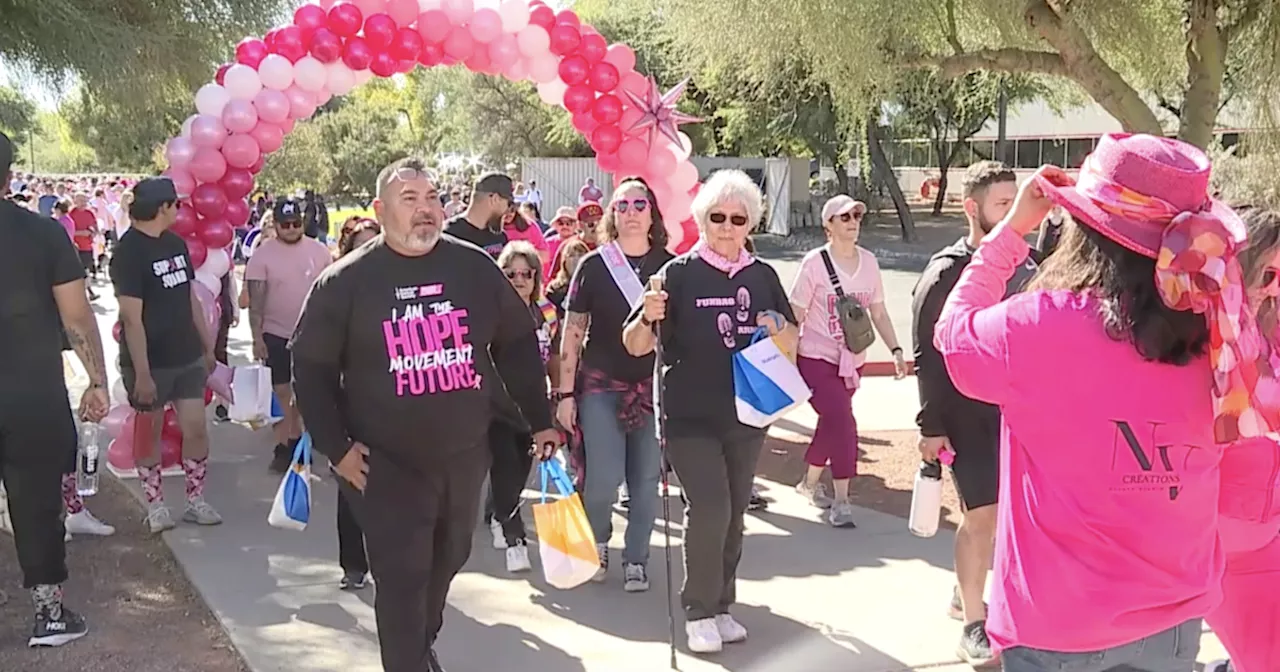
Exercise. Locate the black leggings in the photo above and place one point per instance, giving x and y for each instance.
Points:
(508, 475)
(351, 552)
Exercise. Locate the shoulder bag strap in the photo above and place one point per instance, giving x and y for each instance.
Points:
(831, 274)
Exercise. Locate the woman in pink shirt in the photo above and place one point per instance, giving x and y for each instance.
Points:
(1248, 620)
(1121, 375)
(519, 227)
(826, 362)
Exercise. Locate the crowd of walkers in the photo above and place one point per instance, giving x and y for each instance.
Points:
(1105, 396)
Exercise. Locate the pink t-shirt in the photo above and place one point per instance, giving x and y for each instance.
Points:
(289, 271)
(69, 226)
(1249, 503)
(1107, 525)
(820, 335)
(533, 235)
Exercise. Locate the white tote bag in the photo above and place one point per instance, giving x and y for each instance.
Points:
(766, 383)
(291, 509)
(251, 391)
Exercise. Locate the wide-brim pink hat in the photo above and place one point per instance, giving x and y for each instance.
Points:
(1132, 186)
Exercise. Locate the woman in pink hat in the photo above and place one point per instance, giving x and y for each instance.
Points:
(1122, 373)
(1248, 620)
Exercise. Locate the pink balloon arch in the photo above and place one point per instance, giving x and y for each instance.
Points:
(332, 47)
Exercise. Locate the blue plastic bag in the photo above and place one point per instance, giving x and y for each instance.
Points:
(291, 509)
(766, 383)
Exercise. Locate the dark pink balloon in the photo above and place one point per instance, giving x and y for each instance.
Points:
(606, 139)
(432, 54)
(356, 54)
(287, 126)
(542, 15)
(567, 17)
(345, 19)
(221, 75)
(257, 165)
(383, 64)
(407, 45)
(379, 31)
(216, 233)
(434, 26)
(604, 77)
(290, 43)
(240, 151)
(237, 183)
(268, 136)
(479, 59)
(607, 109)
(326, 46)
(584, 123)
(607, 162)
(564, 39)
(311, 19)
(197, 249)
(593, 47)
(574, 70)
(251, 51)
(185, 222)
(237, 212)
(579, 98)
(209, 200)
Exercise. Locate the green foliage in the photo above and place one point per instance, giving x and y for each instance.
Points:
(123, 136)
(53, 149)
(17, 112)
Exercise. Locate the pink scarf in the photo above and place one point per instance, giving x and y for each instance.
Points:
(729, 266)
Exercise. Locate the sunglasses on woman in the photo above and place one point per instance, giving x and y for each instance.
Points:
(721, 218)
(523, 274)
(849, 217)
(638, 205)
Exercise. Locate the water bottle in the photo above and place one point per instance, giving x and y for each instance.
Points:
(87, 462)
(926, 497)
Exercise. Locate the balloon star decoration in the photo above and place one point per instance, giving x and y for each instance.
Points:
(660, 113)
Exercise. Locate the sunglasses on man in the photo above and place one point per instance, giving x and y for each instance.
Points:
(289, 224)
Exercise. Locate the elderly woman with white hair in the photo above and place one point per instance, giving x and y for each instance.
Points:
(713, 300)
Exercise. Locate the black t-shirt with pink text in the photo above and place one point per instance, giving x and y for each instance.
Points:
(710, 316)
(414, 340)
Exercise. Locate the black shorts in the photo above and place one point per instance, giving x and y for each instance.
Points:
(87, 260)
(172, 384)
(279, 359)
(976, 471)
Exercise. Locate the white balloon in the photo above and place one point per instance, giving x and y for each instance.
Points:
(534, 41)
(242, 82)
(515, 15)
(186, 125)
(340, 79)
(428, 5)
(552, 92)
(216, 265)
(210, 100)
(276, 72)
(545, 68)
(207, 280)
(310, 74)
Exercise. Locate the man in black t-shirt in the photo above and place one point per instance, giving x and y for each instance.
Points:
(399, 349)
(168, 349)
(481, 223)
(42, 293)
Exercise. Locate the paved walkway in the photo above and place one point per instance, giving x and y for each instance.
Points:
(814, 598)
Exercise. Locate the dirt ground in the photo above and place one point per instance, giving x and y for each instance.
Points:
(143, 614)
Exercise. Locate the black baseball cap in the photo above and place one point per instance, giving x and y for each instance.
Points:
(496, 183)
(287, 209)
(6, 154)
(155, 191)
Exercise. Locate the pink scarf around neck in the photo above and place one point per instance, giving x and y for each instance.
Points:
(729, 266)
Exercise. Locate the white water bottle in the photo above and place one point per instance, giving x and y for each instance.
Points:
(87, 459)
(926, 500)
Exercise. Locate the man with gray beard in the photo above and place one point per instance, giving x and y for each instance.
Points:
(399, 350)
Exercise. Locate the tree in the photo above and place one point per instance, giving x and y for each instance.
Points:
(17, 112)
(123, 136)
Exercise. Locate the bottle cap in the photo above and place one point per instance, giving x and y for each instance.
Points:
(947, 457)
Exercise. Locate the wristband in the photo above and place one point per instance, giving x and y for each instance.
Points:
(896, 351)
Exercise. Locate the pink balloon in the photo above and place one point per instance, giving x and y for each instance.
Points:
(407, 45)
(607, 139)
(607, 162)
(662, 161)
(301, 105)
(630, 116)
(345, 19)
(685, 176)
(504, 51)
(185, 223)
(220, 75)
(268, 136)
(459, 11)
(584, 123)
(567, 17)
(170, 452)
(433, 26)
(241, 151)
(239, 116)
(579, 98)
(371, 7)
(542, 15)
(120, 451)
(251, 51)
(604, 77)
(182, 180)
(287, 127)
(384, 64)
(291, 43)
(432, 54)
(207, 133)
(633, 155)
(209, 200)
(179, 151)
(236, 184)
(622, 57)
(326, 46)
(459, 44)
(405, 12)
(379, 31)
(197, 250)
(635, 83)
(593, 47)
(357, 54)
(216, 234)
(486, 25)
(574, 70)
(220, 381)
(116, 419)
(272, 106)
(564, 39)
(607, 109)
(311, 19)
(237, 212)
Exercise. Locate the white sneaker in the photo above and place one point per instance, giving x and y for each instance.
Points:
(499, 537)
(816, 494)
(601, 574)
(731, 631)
(85, 523)
(159, 519)
(199, 512)
(703, 636)
(518, 558)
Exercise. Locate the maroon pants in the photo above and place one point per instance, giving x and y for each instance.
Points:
(835, 439)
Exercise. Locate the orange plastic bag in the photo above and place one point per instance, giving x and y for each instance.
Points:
(566, 544)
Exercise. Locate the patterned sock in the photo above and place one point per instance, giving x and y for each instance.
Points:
(152, 486)
(70, 497)
(48, 600)
(195, 470)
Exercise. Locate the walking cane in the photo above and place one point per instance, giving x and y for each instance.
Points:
(660, 423)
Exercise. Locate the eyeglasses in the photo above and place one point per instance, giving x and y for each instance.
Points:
(289, 224)
(721, 218)
(523, 274)
(639, 205)
(850, 217)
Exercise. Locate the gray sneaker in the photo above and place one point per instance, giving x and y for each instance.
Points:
(841, 515)
(637, 580)
(603, 573)
(199, 512)
(159, 519)
(816, 494)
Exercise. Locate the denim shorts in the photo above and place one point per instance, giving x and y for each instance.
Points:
(1173, 650)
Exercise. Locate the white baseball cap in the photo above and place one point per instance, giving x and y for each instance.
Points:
(839, 205)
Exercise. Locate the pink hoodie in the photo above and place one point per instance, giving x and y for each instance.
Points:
(1109, 474)
(1250, 499)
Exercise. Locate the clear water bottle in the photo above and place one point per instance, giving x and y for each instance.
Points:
(87, 461)
(926, 500)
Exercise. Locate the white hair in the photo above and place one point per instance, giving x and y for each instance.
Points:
(728, 186)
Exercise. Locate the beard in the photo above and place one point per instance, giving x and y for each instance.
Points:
(985, 224)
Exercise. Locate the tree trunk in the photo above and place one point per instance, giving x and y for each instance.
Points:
(883, 172)
(1206, 67)
(842, 176)
(941, 198)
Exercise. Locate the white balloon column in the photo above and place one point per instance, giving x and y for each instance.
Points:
(332, 47)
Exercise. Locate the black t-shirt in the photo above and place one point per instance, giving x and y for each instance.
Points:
(36, 255)
(159, 271)
(710, 316)
(415, 339)
(487, 240)
(558, 297)
(593, 292)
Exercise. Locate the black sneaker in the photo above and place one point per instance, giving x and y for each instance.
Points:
(975, 648)
(757, 502)
(55, 632)
(353, 581)
(281, 459)
(220, 413)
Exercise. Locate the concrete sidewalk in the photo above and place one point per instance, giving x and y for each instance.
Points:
(815, 599)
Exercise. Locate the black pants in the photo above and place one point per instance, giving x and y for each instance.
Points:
(716, 469)
(507, 477)
(418, 530)
(220, 343)
(37, 440)
(351, 553)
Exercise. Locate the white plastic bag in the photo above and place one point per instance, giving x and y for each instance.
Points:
(251, 390)
(291, 509)
(766, 383)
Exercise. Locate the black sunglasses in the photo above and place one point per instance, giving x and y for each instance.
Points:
(720, 218)
(289, 224)
(849, 216)
(523, 274)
